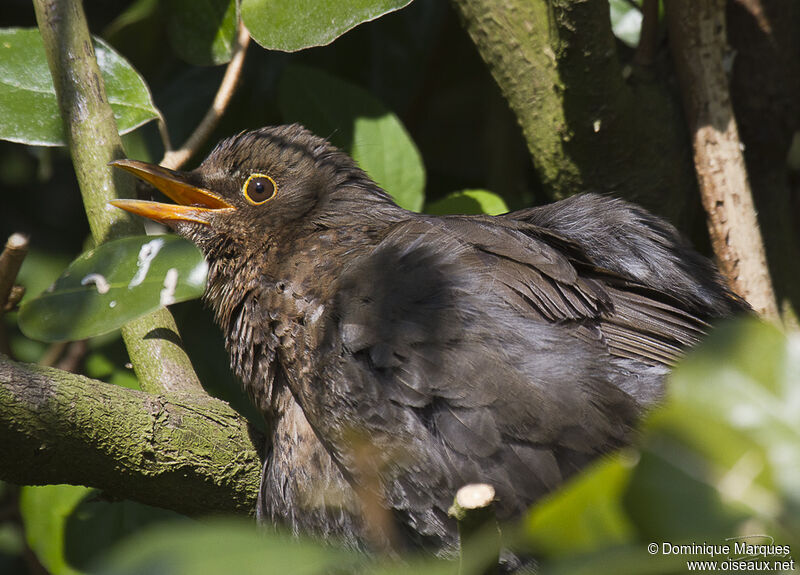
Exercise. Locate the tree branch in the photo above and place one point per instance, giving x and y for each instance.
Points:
(174, 159)
(478, 531)
(10, 261)
(764, 84)
(91, 133)
(648, 38)
(556, 64)
(698, 41)
(190, 453)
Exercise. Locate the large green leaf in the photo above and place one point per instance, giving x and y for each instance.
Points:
(203, 33)
(359, 124)
(469, 202)
(67, 528)
(45, 510)
(28, 107)
(718, 463)
(113, 284)
(224, 546)
(584, 515)
(291, 25)
(731, 425)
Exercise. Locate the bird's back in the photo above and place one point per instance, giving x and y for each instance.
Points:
(499, 350)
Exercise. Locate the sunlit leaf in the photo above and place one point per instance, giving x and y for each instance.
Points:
(626, 21)
(631, 559)
(203, 33)
(719, 462)
(291, 25)
(731, 422)
(469, 202)
(359, 124)
(28, 107)
(114, 283)
(224, 546)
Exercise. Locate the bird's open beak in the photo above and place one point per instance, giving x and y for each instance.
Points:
(194, 204)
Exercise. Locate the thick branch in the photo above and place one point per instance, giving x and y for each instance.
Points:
(190, 453)
(698, 42)
(514, 41)
(556, 64)
(91, 133)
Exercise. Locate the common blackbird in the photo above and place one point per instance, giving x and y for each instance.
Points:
(398, 356)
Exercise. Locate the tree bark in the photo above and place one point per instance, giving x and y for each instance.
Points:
(586, 127)
(189, 453)
(765, 83)
(91, 132)
(699, 44)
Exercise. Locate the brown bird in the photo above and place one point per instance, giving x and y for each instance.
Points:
(398, 356)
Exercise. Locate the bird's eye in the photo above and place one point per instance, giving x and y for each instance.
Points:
(259, 188)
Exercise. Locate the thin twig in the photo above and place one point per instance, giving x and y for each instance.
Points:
(73, 356)
(164, 133)
(53, 353)
(648, 39)
(478, 531)
(174, 159)
(14, 297)
(10, 261)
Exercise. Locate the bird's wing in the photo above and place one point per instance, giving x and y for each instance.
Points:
(542, 275)
(624, 238)
(489, 355)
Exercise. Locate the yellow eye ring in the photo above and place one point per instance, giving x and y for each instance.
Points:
(259, 189)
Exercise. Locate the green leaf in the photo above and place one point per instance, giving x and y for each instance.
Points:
(45, 510)
(67, 528)
(137, 12)
(113, 284)
(584, 515)
(359, 124)
(95, 526)
(28, 108)
(468, 202)
(224, 546)
(719, 462)
(731, 425)
(291, 25)
(626, 21)
(203, 33)
(632, 559)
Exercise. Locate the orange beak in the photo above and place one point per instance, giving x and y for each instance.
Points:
(193, 204)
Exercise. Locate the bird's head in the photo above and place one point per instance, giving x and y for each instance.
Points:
(266, 185)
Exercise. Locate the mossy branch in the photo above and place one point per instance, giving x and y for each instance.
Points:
(189, 453)
(91, 133)
(587, 127)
